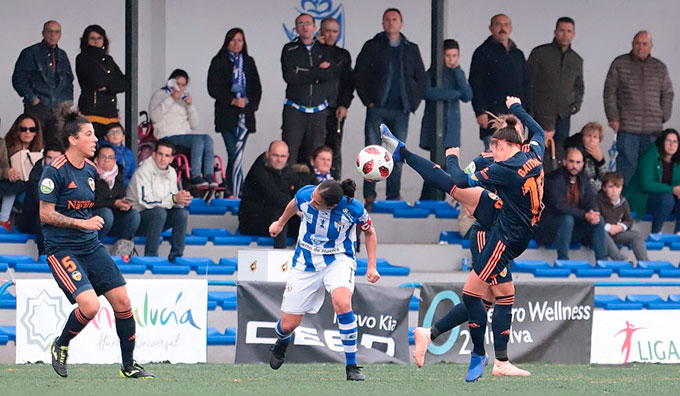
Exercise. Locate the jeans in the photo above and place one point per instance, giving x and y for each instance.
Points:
(230, 141)
(630, 148)
(570, 229)
(158, 219)
(397, 122)
(628, 237)
(202, 153)
(123, 224)
(660, 206)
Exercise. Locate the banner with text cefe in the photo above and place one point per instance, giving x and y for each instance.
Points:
(170, 316)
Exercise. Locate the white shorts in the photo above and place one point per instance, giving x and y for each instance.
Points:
(304, 292)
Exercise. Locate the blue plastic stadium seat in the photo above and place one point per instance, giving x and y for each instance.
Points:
(383, 266)
(601, 300)
(674, 246)
(669, 273)
(450, 213)
(663, 305)
(118, 260)
(388, 206)
(552, 272)
(207, 210)
(195, 240)
(194, 261)
(232, 205)
(148, 261)
(529, 265)
(532, 244)
(414, 304)
(8, 300)
(167, 234)
(653, 245)
(215, 337)
(212, 305)
(411, 339)
(411, 213)
(32, 267)
(172, 269)
(644, 299)
(14, 238)
(3, 267)
(225, 299)
(451, 237)
(132, 268)
(635, 273)
(3, 338)
(211, 233)
(656, 265)
(594, 272)
(197, 202)
(667, 239)
(237, 240)
(109, 240)
(9, 331)
(613, 265)
(674, 298)
(573, 264)
(432, 206)
(623, 306)
(231, 261)
(12, 259)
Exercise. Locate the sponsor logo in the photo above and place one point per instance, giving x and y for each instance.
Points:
(320, 9)
(46, 186)
(628, 331)
(72, 184)
(76, 275)
(253, 266)
(285, 266)
(45, 305)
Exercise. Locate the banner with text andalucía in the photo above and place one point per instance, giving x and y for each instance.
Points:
(551, 322)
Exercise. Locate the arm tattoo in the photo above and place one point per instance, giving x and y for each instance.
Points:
(54, 218)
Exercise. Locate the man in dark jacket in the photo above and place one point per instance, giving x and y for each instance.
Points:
(498, 70)
(306, 68)
(340, 91)
(269, 186)
(571, 209)
(390, 79)
(43, 77)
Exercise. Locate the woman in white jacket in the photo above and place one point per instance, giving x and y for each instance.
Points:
(175, 118)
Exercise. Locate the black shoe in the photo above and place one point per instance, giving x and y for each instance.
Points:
(278, 354)
(198, 182)
(135, 371)
(59, 357)
(354, 373)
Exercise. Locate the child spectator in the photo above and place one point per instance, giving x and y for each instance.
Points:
(115, 136)
(618, 220)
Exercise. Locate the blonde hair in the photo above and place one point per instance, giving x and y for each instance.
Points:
(593, 126)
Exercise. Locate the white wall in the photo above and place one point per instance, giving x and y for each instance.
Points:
(176, 33)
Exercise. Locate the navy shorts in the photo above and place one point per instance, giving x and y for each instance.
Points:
(76, 272)
(494, 262)
(488, 209)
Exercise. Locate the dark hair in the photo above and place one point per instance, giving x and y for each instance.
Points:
(574, 148)
(332, 191)
(320, 150)
(451, 44)
(230, 36)
(115, 125)
(303, 14)
(104, 146)
(13, 141)
(179, 73)
(660, 142)
(564, 20)
(97, 29)
(509, 133)
(53, 145)
(165, 143)
(326, 20)
(612, 177)
(69, 123)
(394, 10)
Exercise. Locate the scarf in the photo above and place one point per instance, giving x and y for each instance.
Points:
(238, 85)
(322, 177)
(109, 177)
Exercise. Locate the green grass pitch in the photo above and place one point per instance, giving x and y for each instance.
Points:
(329, 379)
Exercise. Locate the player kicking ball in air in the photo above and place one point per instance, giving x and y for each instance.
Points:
(517, 177)
(324, 258)
(80, 264)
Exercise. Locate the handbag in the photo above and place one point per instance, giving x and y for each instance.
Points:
(23, 161)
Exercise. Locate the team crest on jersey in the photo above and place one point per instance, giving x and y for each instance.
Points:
(308, 218)
(77, 276)
(46, 186)
(493, 196)
(90, 181)
(504, 272)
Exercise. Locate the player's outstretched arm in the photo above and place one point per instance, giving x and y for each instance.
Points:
(276, 227)
(372, 274)
(536, 133)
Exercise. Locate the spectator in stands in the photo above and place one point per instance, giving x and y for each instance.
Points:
(453, 90)
(588, 141)
(175, 119)
(390, 79)
(44, 79)
(556, 85)
(322, 164)
(341, 88)
(30, 219)
(111, 204)
(100, 80)
(618, 222)
(571, 213)
(269, 186)
(115, 137)
(153, 192)
(655, 187)
(638, 100)
(498, 70)
(20, 149)
(234, 83)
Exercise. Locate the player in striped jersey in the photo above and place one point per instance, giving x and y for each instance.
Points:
(324, 258)
(80, 264)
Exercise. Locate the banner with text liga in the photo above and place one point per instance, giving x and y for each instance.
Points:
(551, 322)
(170, 318)
(382, 319)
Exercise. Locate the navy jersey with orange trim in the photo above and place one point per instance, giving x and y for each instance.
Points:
(71, 190)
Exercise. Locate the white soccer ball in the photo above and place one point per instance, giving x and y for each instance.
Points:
(374, 163)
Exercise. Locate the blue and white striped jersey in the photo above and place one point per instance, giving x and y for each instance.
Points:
(325, 234)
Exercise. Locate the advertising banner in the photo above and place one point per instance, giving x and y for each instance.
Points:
(382, 319)
(646, 336)
(170, 316)
(551, 323)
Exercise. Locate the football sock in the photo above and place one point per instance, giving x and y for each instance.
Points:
(347, 323)
(429, 171)
(455, 317)
(500, 324)
(125, 327)
(284, 338)
(74, 324)
(477, 320)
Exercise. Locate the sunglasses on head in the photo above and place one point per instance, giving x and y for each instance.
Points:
(31, 129)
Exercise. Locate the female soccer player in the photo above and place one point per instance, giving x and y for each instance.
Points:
(517, 176)
(80, 264)
(324, 257)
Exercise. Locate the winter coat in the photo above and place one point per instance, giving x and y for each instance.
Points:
(305, 80)
(151, 186)
(647, 180)
(104, 196)
(33, 76)
(171, 117)
(96, 69)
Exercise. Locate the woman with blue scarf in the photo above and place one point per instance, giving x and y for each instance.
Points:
(234, 83)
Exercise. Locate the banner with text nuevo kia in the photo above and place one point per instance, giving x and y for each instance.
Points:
(382, 319)
(551, 323)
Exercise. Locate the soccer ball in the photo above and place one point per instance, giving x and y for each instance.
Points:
(374, 163)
